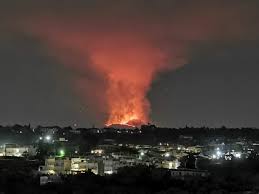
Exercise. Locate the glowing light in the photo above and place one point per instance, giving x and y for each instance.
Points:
(61, 153)
(127, 120)
(109, 172)
(129, 58)
(167, 154)
(238, 155)
(48, 137)
(219, 153)
(97, 151)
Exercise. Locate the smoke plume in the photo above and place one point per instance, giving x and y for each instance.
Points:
(126, 44)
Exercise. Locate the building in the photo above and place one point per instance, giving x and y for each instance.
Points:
(111, 166)
(16, 150)
(65, 165)
(56, 165)
(97, 167)
(62, 166)
(78, 165)
(174, 164)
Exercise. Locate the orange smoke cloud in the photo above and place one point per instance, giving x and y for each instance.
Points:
(128, 46)
(127, 61)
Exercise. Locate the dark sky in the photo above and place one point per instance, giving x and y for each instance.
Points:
(217, 84)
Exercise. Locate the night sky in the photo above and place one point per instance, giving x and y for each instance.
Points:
(214, 83)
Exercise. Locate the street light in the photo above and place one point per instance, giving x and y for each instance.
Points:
(48, 138)
(61, 153)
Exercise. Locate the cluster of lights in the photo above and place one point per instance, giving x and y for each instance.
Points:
(98, 151)
(219, 154)
(46, 138)
(164, 144)
(183, 148)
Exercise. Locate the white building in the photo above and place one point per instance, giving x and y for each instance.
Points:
(16, 150)
(174, 164)
(96, 167)
(56, 166)
(59, 165)
(78, 165)
(111, 166)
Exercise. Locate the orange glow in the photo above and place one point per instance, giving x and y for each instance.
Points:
(114, 51)
(121, 118)
(125, 119)
(127, 62)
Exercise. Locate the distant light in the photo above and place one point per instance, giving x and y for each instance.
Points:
(217, 148)
(214, 156)
(48, 137)
(61, 153)
(97, 151)
(40, 138)
(238, 155)
(142, 153)
(167, 154)
(178, 148)
(219, 153)
(109, 172)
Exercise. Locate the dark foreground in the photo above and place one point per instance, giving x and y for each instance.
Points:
(229, 177)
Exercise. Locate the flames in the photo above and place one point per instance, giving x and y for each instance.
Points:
(129, 65)
(126, 104)
(124, 46)
(126, 61)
